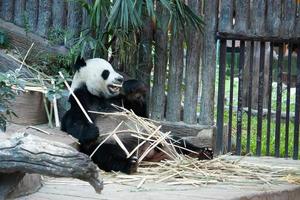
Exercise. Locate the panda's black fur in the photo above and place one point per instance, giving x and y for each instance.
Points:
(109, 156)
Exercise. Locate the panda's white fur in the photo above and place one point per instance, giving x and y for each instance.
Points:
(91, 75)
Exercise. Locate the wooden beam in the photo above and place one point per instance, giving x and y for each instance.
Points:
(226, 13)
(44, 17)
(7, 10)
(32, 14)
(19, 38)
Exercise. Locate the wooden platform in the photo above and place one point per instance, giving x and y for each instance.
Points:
(65, 188)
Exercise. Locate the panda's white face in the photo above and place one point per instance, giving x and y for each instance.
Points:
(100, 78)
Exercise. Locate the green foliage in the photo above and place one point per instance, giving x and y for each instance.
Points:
(116, 21)
(7, 80)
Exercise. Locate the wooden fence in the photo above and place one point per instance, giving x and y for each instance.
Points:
(181, 80)
(259, 27)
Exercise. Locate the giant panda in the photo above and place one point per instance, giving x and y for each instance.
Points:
(97, 86)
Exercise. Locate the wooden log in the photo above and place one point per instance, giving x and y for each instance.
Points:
(273, 17)
(258, 17)
(175, 76)
(226, 16)
(85, 17)
(242, 16)
(288, 19)
(19, 38)
(160, 64)
(44, 17)
(74, 18)
(208, 70)
(19, 17)
(58, 14)
(192, 69)
(32, 13)
(23, 152)
(7, 10)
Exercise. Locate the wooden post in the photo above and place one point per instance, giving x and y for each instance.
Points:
(288, 19)
(192, 69)
(209, 63)
(273, 17)
(7, 10)
(226, 21)
(44, 17)
(32, 13)
(19, 17)
(258, 17)
(58, 14)
(175, 76)
(242, 16)
(74, 18)
(160, 64)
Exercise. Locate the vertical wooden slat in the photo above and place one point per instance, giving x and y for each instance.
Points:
(221, 93)
(44, 17)
(250, 97)
(242, 16)
(86, 17)
(226, 21)
(32, 7)
(7, 10)
(192, 69)
(260, 98)
(231, 94)
(160, 64)
(273, 17)
(288, 96)
(278, 101)
(19, 17)
(297, 22)
(297, 110)
(269, 100)
(175, 77)
(258, 17)
(240, 99)
(59, 14)
(288, 19)
(208, 69)
(74, 18)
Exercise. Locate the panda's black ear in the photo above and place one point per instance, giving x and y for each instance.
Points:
(80, 62)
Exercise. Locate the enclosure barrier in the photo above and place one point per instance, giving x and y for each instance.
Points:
(275, 74)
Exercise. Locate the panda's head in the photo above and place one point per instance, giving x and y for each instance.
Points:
(98, 76)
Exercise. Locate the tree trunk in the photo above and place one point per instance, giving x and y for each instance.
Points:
(59, 14)
(160, 64)
(145, 63)
(192, 69)
(19, 17)
(175, 77)
(27, 153)
(44, 19)
(74, 18)
(7, 10)
(209, 63)
(32, 7)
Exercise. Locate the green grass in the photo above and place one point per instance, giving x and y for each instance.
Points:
(253, 135)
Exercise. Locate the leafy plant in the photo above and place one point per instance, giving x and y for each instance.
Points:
(112, 22)
(7, 81)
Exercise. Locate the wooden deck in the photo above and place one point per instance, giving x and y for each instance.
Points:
(66, 188)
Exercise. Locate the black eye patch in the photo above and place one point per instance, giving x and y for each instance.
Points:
(105, 74)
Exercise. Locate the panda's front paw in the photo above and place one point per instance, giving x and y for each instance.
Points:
(132, 165)
(92, 133)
